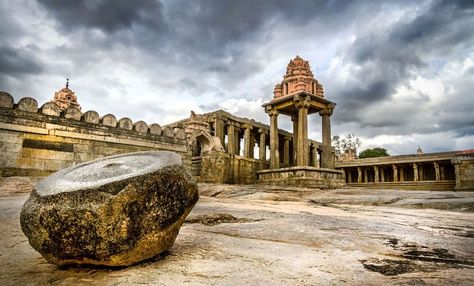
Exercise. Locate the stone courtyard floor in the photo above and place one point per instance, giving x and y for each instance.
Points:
(261, 235)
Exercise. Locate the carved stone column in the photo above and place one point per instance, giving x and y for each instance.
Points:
(230, 138)
(295, 138)
(219, 125)
(382, 174)
(395, 173)
(415, 172)
(314, 156)
(262, 144)
(248, 140)
(237, 138)
(376, 171)
(326, 160)
(359, 175)
(286, 150)
(437, 174)
(302, 150)
(274, 153)
(366, 177)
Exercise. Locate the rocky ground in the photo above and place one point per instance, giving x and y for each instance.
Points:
(257, 235)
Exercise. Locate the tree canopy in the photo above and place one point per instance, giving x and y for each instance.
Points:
(342, 145)
(374, 152)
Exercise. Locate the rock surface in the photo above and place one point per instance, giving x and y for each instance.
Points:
(114, 211)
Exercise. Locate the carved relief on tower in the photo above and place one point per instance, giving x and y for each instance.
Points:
(65, 97)
(298, 78)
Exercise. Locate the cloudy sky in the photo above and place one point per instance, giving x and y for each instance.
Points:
(401, 72)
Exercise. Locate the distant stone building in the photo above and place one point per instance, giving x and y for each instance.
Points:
(65, 98)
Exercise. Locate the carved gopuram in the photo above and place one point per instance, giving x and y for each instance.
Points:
(298, 96)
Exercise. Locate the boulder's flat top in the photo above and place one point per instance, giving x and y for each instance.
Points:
(257, 235)
(96, 173)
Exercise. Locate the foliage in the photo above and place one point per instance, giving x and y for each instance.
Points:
(372, 153)
(344, 145)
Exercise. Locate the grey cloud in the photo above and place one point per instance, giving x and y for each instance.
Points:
(387, 60)
(107, 15)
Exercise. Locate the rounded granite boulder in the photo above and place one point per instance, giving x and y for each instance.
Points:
(113, 211)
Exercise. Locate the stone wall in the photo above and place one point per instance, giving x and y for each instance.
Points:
(37, 141)
(220, 167)
(464, 169)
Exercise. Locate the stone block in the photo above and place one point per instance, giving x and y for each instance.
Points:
(125, 123)
(72, 112)
(90, 116)
(140, 127)
(28, 104)
(6, 100)
(179, 133)
(114, 211)
(109, 120)
(155, 129)
(168, 132)
(51, 109)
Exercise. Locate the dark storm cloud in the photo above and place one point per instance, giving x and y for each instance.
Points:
(388, 59)
(17, 64)
(106, 15)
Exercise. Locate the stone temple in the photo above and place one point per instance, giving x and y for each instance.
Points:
(219, 147)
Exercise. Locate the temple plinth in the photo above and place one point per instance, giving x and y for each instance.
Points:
(298, 96)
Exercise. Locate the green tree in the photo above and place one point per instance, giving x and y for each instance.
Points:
(372, 153)
(346, 144)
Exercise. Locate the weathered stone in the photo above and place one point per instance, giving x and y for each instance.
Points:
(168, 131)
(109, 120)
(179, 133)
(90, 116)
(28, 104)
(72, 112)
(114, 211)
(140, 127)
(125, 123)
(155, 129)
(6, 100)
(51, 109)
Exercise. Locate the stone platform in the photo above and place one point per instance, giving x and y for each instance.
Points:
(302, 176)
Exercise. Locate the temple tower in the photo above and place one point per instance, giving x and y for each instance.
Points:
(65, 98)
(299, 95)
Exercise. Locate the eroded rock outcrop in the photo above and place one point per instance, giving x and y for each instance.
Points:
(114, 211)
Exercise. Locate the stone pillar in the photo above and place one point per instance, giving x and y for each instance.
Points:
(415, 172)
(421, 175)
(230, 138)
(248, 140)
(302, 153)
(395, 173)
(295, 138)
(237, 138)
(359, 175)
(402, 174)
(286, 150)
(252, 146)
(326, 160)
(437, 174)
(262, 144)
(314, 156)
(376, 171)
(274, 153)
(366, 177)
(348, 175)
(382, 174)
(219, 125)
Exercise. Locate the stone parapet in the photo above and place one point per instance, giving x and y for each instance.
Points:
(302, 176)
(38, 141)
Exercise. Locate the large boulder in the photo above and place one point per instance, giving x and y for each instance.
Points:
(113, 211)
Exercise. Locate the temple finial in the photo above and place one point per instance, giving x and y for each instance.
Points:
(67, 82)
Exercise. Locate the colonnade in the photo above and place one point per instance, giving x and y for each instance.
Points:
(283, 146)
(401, 172)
